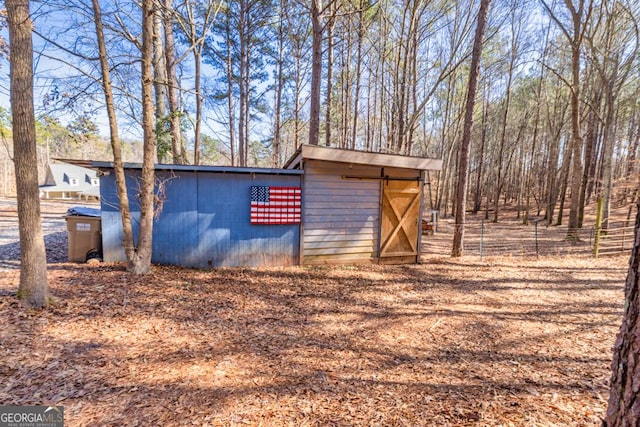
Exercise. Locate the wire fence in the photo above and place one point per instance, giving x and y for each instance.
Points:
(617, 238)
(487, 239)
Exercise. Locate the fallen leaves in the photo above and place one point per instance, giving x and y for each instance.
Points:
(513, 342)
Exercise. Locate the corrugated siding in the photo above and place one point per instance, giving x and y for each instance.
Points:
(341, 216)
(112, 237)
(205, 222)
(227, 238)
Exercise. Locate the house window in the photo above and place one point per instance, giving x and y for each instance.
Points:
(95, 182)
(74, 181)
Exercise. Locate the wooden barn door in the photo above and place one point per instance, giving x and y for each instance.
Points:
(400, 221)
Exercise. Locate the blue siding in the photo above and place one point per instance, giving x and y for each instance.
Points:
(205, 222)
(112, 237)
(175, 234)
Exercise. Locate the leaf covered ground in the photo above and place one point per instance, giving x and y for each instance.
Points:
(506, 341)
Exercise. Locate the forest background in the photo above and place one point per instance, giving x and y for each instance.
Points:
(233, 86)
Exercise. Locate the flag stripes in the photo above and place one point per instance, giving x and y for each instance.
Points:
(275, 205)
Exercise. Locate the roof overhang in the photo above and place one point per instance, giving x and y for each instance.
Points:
(208, 169)
(315, 152)
(76, 162)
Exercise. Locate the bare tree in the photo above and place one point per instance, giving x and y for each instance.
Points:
(516, 26)
(614, 46)
(316, 71)
(142, 258)
(116, 146)
(34, 289)
(171, 62)
(463, 160)
(331, 23)
(278, 86)
(160, 85)
(195, 25)
(574, 31)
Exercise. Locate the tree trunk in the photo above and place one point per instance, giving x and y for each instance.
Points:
(230, 80)
(34, 288)
(536, 129)
(503, 131)
(534, 143)
(477, 201)
(159, 84)
(242, 88)
(328, 125)
(463, 162)
(279, 86)
(589, 155)
(607, 155)
(142, 259)
(172, 85)
(624, 399)
(316, 72)
(564, 184)
(297, 102)
(247, 103)
(576, 139)
(383, 98)
(197, 59)
(356, 95)
(116, 146)
(345, 77)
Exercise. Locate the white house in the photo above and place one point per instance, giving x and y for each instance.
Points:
(66, 181)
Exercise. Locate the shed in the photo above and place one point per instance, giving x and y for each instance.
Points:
(360, 206)
(206, 218)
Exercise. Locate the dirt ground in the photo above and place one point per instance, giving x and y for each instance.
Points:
(504, 341)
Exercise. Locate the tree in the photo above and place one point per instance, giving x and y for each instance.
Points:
(210, 150)
(195, 25)
(34, 289)
(317, 26)
(624, 400)
(83, 131)
(614, 46)
(278, 86)
(138, 257)
(238, 49)
(463, 160)
(116, 147)
(163, 144)
(171, 62)
(515, 39)
(142, 257)
(574, 32)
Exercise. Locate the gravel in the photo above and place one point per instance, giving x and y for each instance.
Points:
(53, 226)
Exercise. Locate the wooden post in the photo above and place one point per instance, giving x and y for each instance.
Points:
(596, 240)
(535, 222)
(419, 219)
(481, 238)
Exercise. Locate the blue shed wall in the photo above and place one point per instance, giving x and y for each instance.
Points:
(204, 222)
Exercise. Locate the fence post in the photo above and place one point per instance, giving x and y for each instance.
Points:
(481, 238)
(535, 223)
(596, 238)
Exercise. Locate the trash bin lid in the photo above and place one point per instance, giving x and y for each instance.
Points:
(83, 211)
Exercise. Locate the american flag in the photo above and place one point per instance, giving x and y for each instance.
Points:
(275, 205)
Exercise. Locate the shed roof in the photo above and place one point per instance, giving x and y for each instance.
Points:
(331, 154)
(209, 169)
